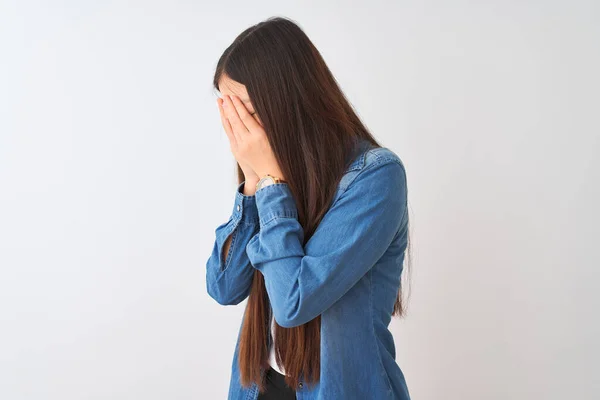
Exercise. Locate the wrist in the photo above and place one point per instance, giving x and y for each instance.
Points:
(250, 186)
(270, 171)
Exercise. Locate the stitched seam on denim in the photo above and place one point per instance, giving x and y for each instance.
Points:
(379, 161)
(284, 214)
(234, 233)
(268, 186)
(243, 216)
(247, 197)
(383, 159)
(373, 330)
(358, 163)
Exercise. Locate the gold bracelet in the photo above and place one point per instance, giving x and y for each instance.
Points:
(273, 178)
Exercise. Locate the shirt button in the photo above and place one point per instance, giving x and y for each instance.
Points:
(300, 385)
(238, 207)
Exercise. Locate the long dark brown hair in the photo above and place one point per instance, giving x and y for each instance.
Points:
(312, 129)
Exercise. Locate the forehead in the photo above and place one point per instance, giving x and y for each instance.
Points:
(229, 86)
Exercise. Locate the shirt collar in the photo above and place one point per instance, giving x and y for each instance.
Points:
(359, 155)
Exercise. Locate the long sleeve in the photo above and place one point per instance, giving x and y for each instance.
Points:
(303, 281)
(228, 278)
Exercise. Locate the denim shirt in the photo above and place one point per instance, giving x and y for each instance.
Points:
(348, 272)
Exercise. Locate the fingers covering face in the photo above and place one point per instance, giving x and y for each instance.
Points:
(242, 113)
(226, 125)
(234, 119)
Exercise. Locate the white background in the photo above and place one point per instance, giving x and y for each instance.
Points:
(115, 171)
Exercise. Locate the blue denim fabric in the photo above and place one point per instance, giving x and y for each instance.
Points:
(348, 272)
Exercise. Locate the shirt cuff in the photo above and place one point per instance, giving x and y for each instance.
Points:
(244, 207)
(275, 201)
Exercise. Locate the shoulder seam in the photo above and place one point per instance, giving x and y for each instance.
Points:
(378, 162)
(381, 161)
(382, 158)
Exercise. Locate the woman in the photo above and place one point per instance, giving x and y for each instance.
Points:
(319, 228)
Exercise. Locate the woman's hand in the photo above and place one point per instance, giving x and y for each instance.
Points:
(249, 174)
(247, 138)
